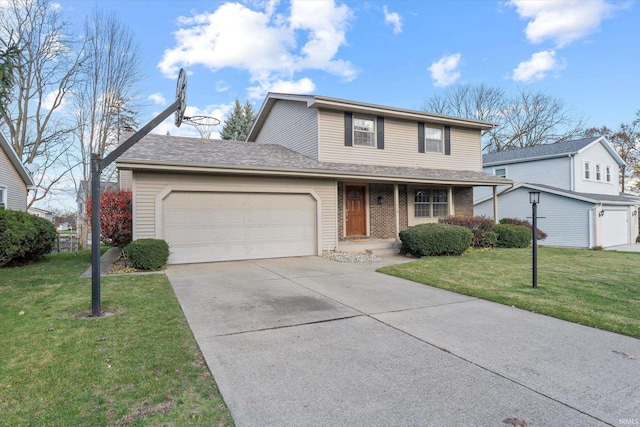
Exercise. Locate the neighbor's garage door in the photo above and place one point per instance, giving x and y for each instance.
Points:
(205, 226)
(615, 228)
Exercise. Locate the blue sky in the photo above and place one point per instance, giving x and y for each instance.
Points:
(395, 53)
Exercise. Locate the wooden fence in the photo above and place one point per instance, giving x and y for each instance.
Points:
(65, 243)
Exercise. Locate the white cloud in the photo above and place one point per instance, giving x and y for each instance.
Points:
(271, 47)
(50, 100)
(302, 86)
(394, 19)
(445, 71)
(561, 21)
(221, 86)
(537, 68)
(218, 111)
(157, 98)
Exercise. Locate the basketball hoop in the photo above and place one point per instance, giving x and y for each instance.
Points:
(181, 96)
(203, 124)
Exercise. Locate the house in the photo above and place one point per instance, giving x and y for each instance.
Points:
(580, 203)
(15, 179)
(42, 213)
(316, 172)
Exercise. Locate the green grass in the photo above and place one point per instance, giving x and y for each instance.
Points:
(139, 367)
(595, 288)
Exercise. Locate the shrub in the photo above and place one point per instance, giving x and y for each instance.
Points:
(147, 254)
(24, 238)
(116, 217)
(436, 239)
(515, 221)
(512, 236)
(480, 226)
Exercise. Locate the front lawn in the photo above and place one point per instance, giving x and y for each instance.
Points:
(594, 288)
(139, 367)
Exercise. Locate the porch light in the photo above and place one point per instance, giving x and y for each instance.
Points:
(380, 200)
(601, 213)
(534, 199)
(635, 212)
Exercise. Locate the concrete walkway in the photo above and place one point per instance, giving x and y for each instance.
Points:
(311, 342)
(625, 248)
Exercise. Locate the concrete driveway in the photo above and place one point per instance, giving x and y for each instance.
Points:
(311, 342)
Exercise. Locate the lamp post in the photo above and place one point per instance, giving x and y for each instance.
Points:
(534, 199)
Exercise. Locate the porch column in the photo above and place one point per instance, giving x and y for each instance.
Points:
(495, 204)
(396, 210)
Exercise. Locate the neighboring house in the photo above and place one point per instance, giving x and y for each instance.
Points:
(315, 172)
(580, 201)
(15, 180)
(42, 213)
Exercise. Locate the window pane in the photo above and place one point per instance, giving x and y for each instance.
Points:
(360, 138)
(432, 133)
(440, 196)
(501, 173)
(422, 196)
(440, 210)
(422, 208)
(363, 132)
(433, 146)
(364, 125)
(422, 211)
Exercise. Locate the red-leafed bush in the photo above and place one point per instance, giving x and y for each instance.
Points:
(116, 217)
(480, 226)
(515, 221)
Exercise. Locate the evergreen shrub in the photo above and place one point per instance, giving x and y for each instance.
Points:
(436, 239)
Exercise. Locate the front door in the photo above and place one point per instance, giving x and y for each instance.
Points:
(356, 211)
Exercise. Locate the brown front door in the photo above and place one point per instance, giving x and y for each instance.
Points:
(356, 211)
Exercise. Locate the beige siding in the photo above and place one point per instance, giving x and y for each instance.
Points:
(146, 186)
(125, 178)
(15, 186)
(400, 146)
(293, 125)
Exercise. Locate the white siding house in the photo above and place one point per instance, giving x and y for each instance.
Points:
(580, 200)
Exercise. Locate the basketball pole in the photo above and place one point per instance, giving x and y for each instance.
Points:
(98, 165)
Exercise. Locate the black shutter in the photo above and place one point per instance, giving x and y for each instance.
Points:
(380, 133)
(447, 140)
(348, 129)
(420, 137)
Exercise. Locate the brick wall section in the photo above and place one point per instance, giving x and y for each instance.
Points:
(382, 215)
(340, 211)
(404, 215)
(463, 201)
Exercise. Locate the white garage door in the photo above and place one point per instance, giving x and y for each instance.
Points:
(615, 228)
(207, 226)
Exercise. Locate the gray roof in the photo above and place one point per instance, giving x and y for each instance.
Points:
(594, 196)
(193, 152)
(539, 151)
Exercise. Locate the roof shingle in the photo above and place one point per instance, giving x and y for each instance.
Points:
(546, 150)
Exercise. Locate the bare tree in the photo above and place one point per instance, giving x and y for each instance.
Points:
(524, 120)
(47, 73)
(105, 100)
(626, 141)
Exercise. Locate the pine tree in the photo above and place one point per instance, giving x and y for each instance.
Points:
(237, 126)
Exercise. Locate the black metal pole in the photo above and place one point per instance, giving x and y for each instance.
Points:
(535, 244)
(95, 235)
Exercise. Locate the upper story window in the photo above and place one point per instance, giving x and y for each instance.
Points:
(430, 203)
(433, 142)
(3, 196)
(501, 172)
(607, 173)
(598, 172)
(587, 170)
(364, 131)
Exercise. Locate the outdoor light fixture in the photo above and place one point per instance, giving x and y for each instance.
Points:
(601, 213)
(534, 199)
(634, 213)
(380, 200)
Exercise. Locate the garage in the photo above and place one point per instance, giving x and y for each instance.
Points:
(227, 226)
(615, 228)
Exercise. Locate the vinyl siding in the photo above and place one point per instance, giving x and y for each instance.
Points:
(146, 186)
(293, 125)
(597, 154)
(125, 178)
(400, 146)
(16, 188)
(566, 221)
(554, 172)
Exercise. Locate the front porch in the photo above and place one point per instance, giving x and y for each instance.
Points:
(372, 246)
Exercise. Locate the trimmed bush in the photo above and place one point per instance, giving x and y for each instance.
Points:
(24, 238)
(147, 254)
(515, 221)
(480, 226)
(512, 236)
(436, 239)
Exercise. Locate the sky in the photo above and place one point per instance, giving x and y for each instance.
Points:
(395, 53)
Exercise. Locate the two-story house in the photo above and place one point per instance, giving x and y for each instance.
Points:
(314, 173)
(15, 180)
(579, 186)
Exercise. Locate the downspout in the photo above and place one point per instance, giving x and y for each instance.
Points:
(592, 212)
(572, 178)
